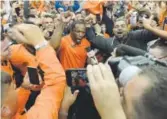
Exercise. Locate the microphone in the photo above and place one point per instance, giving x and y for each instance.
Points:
(123, 50)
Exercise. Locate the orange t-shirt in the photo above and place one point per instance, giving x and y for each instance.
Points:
(21, 58)
(73, 56)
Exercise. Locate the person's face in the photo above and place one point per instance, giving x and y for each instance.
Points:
(103, 28)
(163, 5)
(140, 21)
(79, 32)
(158, 53)
(49, 25)
(132, 93)
(5, 49)
(8, 102)
(83, 13)
(120, 29)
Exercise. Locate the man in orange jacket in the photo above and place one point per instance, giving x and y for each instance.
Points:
(48, 102)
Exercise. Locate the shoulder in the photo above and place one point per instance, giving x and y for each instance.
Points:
(85, 42)
(66, 38)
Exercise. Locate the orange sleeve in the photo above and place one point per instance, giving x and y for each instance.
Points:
(49, 63)
(33, 4)
(23, 96)
(48, 102)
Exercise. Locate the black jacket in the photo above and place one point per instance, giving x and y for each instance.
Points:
(138, 39)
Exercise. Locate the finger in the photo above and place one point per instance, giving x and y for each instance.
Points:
(76, 92)
(90, 74)
(106, 72)
(19, 36)
(97, 73)
(151, 17)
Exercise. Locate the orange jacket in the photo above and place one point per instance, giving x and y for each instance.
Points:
(73, 56)
(48, 101)
(95, 7)
(38, 4)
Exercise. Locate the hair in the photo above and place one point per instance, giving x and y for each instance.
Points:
(159, 43)
(121, 19)
(74, 24)
(153, 102)
(31, 16)
(144, 11)
(162, 45)
(49, 16)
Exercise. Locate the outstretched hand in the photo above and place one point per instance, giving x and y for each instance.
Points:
(28, 34)
(68, 99)
(104, 91)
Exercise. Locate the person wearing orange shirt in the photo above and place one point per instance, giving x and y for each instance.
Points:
(72, 50)
(7, 67)
(48, 102)
(72, 47)
(103, 30)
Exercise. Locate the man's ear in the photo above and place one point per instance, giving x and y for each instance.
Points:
(113, 30)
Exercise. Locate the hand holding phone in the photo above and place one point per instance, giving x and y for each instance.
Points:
(33, 75)
(32, 80)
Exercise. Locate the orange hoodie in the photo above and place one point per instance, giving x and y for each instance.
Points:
(48, 102)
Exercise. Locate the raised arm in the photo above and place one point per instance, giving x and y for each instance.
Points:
(57, 35)
(155, 30)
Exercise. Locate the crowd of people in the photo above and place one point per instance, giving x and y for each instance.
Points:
(55, 36)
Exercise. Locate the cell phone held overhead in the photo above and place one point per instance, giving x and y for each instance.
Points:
(33, 75)
(76, 77)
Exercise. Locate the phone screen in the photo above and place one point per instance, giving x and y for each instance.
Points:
(33, 75)
(76, 77)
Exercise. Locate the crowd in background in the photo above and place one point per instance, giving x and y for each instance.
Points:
(55, 36)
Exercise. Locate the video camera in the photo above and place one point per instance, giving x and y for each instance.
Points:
(118, 64)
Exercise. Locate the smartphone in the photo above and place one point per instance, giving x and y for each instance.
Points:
(33, 75)
(76, 77)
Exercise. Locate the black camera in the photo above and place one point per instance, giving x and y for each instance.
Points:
(118, 64)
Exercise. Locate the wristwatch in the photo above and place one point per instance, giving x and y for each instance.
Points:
(41, 45)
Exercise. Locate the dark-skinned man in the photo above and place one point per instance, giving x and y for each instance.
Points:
(72, 48)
